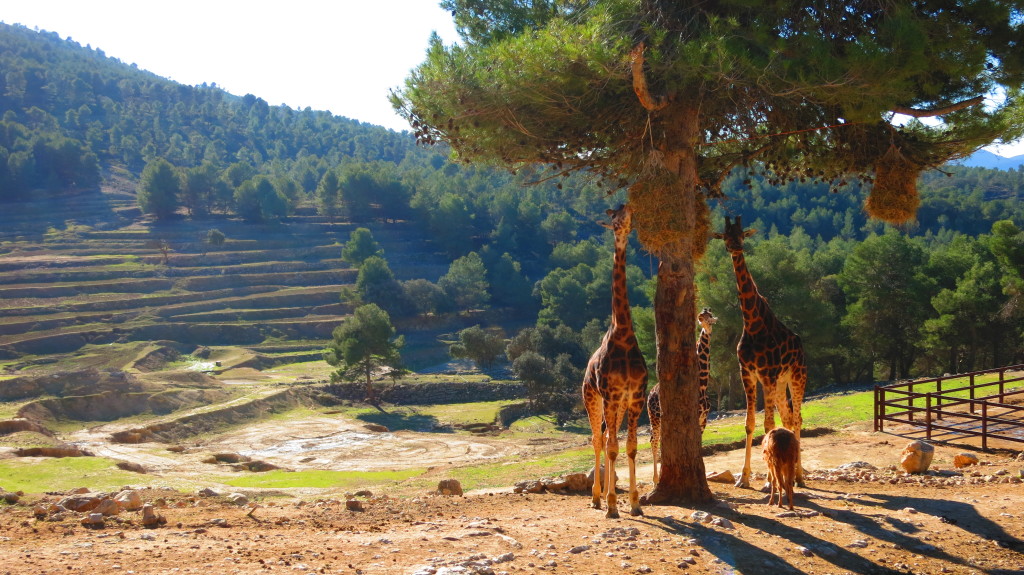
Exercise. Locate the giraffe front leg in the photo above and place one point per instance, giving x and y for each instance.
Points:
(750, 389)
(654, 414)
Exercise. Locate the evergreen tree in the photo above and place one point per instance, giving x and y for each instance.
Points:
(465, 284)
(363, 345)
(159, 189)
(359, 247)
(328, 196)
(483, 347)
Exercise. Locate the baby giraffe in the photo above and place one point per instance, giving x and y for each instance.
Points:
(781, 452)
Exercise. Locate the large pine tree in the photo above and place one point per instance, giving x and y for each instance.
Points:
(668, 96)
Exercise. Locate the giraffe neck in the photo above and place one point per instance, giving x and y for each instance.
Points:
(756, 314)
(622, 320)
(704, 342)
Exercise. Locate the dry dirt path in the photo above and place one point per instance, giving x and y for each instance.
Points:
(878, 521)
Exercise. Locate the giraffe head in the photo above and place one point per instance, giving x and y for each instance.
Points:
(622, 220)
(734, 235)
(706, 319)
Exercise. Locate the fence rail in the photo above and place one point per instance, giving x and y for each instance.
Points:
(979, 409)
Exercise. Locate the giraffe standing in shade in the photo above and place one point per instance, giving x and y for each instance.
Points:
(616, 381)
(706, 320)
(768, 352)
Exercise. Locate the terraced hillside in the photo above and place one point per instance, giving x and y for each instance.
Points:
(89, 270)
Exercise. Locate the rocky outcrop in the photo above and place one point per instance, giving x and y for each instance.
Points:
(178, 429)
(10, 426)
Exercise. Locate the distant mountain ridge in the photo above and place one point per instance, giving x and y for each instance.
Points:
(986, 159)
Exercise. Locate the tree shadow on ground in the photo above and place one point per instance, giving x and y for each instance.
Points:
(742, 556)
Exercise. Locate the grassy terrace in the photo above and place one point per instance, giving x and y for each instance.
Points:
(835, 412)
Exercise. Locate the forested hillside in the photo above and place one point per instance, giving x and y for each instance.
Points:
(871, 302)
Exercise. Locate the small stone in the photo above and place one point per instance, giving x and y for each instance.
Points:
(701, 516)
(721, 477)
(579, 549)
(207, 492)
(804, 551)
(722, 522)
(687, 561)
(129, 500)
(354, 505)
(238, 498)
(964, 459)
(93, 520)
(107, 507)
(150, 518)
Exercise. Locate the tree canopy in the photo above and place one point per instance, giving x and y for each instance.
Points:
(668, 97)
(363, 345)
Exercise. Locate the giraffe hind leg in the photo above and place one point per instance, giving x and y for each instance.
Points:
(633, 419)
(613, 420)
(595, 412)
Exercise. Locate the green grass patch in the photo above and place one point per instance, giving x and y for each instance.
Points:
(428, 417)
(63, 474)
(281, 479)
(509, 472)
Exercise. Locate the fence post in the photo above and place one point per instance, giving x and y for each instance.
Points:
(938, 398)
(928, 415)
(877, 421)
(910, 401)
(972, 392)
(984, 425)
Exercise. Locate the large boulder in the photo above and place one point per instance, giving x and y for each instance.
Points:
(917, 457)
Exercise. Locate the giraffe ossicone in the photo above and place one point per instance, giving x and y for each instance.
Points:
(615, 382)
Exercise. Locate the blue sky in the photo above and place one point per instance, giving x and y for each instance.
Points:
(337, 55)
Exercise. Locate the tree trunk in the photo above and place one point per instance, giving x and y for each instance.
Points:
(682, 478)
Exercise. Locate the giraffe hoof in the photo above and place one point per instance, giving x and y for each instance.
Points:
(612, 514)
(743, 483)
(636, 512)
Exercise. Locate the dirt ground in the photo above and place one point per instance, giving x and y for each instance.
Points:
(861, 518)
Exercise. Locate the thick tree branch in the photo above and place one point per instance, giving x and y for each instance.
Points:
(930, 113)
(649, 102)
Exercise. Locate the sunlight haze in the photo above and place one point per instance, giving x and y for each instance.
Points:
(340, 56)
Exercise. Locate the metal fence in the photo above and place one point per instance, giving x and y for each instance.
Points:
(982, 408)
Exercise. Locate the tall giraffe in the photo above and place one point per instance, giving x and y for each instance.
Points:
(616, 380)
(706, 320)
(768, 352)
